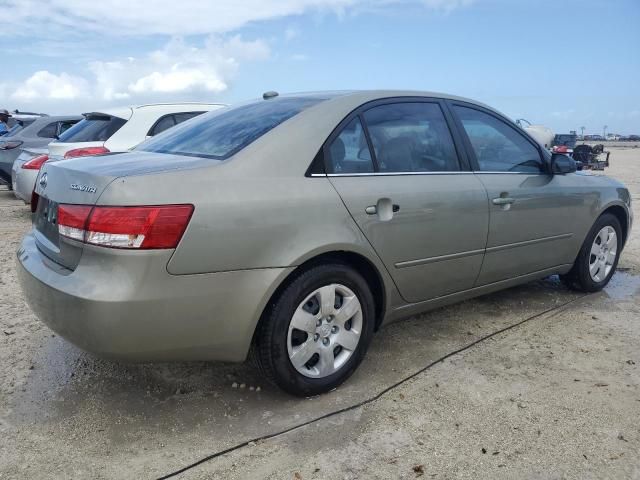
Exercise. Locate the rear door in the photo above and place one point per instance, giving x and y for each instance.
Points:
(532, 219)
(396, 167)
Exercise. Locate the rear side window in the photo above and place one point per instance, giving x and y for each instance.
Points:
(162, 124)
(183, 117)
(497, 146)
(411, 137)
(64, 126)
(94, 128)
(349, 152)
(222, 133)
(48, 131)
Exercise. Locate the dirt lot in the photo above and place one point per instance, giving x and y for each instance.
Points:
(557, 396)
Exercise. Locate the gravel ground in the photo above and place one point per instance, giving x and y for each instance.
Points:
(557, 396)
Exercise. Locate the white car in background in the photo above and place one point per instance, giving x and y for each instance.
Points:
(121, 129)
(112, 130)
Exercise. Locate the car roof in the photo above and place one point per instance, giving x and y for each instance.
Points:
(127, 112)
(364, 96)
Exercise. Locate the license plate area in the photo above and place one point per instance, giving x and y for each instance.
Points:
(46, 219)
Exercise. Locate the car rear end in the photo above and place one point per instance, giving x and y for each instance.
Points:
(94, 266)
(88, 137)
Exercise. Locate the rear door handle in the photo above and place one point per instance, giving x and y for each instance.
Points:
(384, 209)
(503, 201)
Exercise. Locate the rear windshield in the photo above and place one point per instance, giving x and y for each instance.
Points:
(222, 133)
(94, 128)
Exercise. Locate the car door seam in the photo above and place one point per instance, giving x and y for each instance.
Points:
(366, 238)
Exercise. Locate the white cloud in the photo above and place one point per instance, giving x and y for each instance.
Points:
(179, 68)
(178, 80)
(299, 57)
(168, 17)
(44, 84)
(77, 29)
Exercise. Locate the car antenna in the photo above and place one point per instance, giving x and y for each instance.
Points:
(269, 94)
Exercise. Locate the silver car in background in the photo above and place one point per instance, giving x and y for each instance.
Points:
(290, 229)
(38, 134)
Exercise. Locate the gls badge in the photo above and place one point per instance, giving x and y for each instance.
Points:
(83, 188)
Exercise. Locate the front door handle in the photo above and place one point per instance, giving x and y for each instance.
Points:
(503, 201)
(373, 209)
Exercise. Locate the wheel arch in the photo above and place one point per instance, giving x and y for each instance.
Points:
(620, 213)
(369, 271)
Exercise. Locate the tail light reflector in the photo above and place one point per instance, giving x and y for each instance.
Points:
(148, 227)
(86, 152)
(35, 163)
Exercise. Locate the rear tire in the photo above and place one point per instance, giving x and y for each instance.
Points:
(598, 257)
(317, 331)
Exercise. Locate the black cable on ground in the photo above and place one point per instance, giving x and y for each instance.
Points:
(371, 399)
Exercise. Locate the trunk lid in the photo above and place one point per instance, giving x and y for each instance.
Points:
(82, 181)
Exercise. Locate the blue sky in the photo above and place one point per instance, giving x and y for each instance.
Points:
(565, 64)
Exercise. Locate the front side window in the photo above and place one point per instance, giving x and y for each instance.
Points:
(224, 132)
(349, 152)
(93, 128)
(497, 146)
(411, 137)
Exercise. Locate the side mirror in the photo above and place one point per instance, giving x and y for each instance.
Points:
(561, 164)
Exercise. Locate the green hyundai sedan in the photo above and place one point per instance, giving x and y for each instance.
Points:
(291, 228)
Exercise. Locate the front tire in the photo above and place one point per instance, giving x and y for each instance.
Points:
(598, 257)
(317, 331)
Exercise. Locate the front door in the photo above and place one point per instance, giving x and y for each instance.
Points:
(531, 218)
(397, 170)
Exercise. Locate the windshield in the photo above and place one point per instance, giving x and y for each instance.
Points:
(223, 133)
(94, 128)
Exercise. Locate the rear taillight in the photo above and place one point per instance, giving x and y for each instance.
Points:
(35, 163)
(148, 227)
(86, 152)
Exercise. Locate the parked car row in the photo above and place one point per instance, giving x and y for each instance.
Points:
(291, 228)
(24, 149)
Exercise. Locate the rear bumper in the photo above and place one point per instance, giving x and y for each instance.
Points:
(131, 308)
